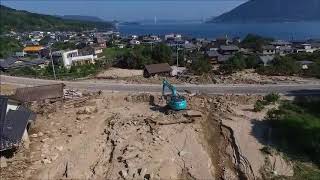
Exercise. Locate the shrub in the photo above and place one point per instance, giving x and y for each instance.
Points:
(297, 129)
(281, 66)
(258, 106)
(271, 98)
(234, 64)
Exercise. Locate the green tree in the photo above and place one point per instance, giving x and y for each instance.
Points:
(201, 66)
(255, 42)
(8, 46)
(234, 64)
(281, 66)
(252, 61)
(63, 45)
(161, 53)
(45, 40)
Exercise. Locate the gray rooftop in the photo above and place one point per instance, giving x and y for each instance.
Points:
(229, 48)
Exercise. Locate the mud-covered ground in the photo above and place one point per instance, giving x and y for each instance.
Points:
(130, 136)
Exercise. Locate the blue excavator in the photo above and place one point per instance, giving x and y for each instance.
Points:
(175, 101)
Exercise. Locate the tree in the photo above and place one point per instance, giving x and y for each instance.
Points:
(201, 66)
(8, 46)
(281, 66)
(161, 53)
(255, 42)
(45, 40)
(234, 64)
(252, 61)
(63, 45)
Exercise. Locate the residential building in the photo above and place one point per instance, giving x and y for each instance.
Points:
(157, 69)
(173, 37)
(14, 63)
(39, 93)
(213, 56)
(221, 41)
(305, 64)
(279, 43)
(268, 50)
(72, 57)
(20, 54)
(14, 120)
(134, 42)
(284, 50)
(33, 50)
(228, 49)
(305, 48)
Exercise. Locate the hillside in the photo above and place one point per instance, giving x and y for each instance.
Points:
(273, 11)
(18, 20)
(82, 18)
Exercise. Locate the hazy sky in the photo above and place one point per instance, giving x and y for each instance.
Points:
(128, 10)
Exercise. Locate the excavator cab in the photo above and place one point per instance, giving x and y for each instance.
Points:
(175, 101)
(178, 103)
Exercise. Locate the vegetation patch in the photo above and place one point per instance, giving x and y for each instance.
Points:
(267, 100)
(296, 128)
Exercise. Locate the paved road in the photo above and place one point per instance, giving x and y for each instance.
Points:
(289, 89)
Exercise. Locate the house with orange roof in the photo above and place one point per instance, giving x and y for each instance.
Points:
(32, 50)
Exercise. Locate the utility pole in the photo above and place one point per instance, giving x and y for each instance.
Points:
(54, 71)
(177, 57)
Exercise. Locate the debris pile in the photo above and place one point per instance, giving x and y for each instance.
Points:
(121, 136)
(71, 94)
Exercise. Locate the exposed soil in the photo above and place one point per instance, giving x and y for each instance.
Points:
(131, 136)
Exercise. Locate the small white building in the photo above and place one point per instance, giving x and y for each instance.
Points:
(135, 42)
(306, 48)
(72, 57)
(173, 36)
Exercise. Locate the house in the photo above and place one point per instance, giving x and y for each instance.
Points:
(39, 93)
(268, 50)
(305, 48)
(72, 57)
(173, 37)
(14, 121)
(221, 41)
(14, 63)
(100, 42)
(20, 54)
(282, 47)
(284, 50)
(228, 49)
(159, 69)
(120, 46)
(134, 42)
(190, 47)
(97, 50)
(305, 64)
(33, 50)
(279, 43)
(213, 56)
(223, 58)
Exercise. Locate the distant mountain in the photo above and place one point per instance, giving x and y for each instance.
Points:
(82, 18)
(273, 11)
(18, 20)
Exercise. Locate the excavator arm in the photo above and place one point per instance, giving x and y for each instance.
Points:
(176, 102)
(166, 84)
